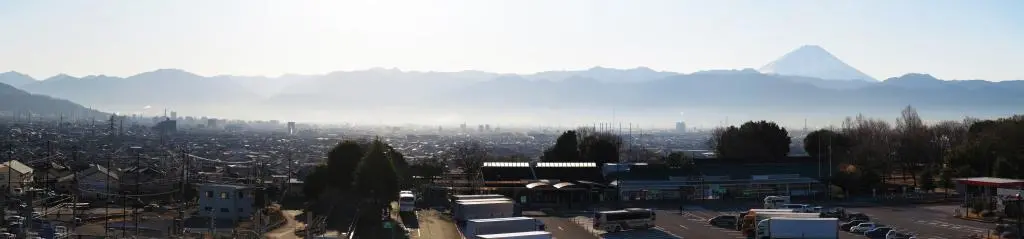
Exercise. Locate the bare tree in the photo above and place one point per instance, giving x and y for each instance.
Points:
(468, 156)
(715, 137)
(915, 145)
(872, 144)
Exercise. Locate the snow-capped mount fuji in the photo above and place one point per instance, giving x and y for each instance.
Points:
(814, 61)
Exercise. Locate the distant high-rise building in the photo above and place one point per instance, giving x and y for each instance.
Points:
(681, 127)
(480, 128)
(211, 123)
(463, 127)
(174, 115)
(291, 127)
(487, 127)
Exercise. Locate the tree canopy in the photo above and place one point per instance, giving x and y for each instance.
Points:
(585, 145)
(752, 141)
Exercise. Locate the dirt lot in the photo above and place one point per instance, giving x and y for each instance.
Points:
(434, 225)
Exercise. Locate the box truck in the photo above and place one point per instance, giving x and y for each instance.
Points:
(518, 235)
(763, 222)
(807, 228)
(748, 223)
(485, 209)
(500, 225)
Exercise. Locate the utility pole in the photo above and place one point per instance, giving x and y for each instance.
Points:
(135, 210)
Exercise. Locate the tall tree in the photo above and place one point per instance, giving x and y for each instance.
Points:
(753, 141)
(566, 148)
(914, 143)
(341, 163)
(825, 143)
(375, 177)
(601, 148)
(871, 148)
(316, 182)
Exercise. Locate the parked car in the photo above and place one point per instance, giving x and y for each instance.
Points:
(878, 232)
(723, 221)
(857, 216)
(893, 234)
(863, 227)
(846, 226)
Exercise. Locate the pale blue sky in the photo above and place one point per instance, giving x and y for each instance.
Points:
(949, 39)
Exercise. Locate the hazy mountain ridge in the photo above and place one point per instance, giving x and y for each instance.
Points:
(183, 91)
(15, 79)
(784, 85)
(16, 100)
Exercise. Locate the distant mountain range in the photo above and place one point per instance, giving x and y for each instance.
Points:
(808, 78)
(18, 101)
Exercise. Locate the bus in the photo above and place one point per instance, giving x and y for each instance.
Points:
(406, 202)
(775, 202)
(626, 219)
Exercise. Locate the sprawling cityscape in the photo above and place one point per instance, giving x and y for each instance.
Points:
(292, 119)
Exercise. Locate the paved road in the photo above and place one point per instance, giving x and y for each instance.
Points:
(564, 228)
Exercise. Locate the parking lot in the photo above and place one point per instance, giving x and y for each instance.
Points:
(927, 222)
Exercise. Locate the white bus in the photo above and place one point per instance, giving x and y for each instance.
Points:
(406, 202)
(630, 218)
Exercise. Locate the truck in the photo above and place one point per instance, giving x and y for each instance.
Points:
(763, 224)
(484, 209)
(518, 235)
(807, 228)
(773, 202)
(482, 196)
(749, 222)
(500, 225)
(456, 206)
(743, 215)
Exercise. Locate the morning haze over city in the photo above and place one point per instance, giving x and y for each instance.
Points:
(522, 63)
(518, 119)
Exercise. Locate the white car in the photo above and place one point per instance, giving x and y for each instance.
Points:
(863, 227)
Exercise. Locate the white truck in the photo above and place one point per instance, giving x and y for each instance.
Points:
(518, 235)
(763, 221)
(483, 209)
(500, 225)
(806, 228)
(775, 202)
(475, 196)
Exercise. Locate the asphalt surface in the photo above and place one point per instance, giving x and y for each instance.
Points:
(926, 221)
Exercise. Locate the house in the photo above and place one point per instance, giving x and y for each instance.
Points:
(146, 180)
(15, 176)
(226, 201)
(94, 182)
(50, 172)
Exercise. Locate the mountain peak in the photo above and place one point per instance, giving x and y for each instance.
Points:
(814, 61)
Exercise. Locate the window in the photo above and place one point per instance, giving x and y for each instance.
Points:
(209, 194)
(224, 209)
(223, 195)
(208, 209)
(241, 194)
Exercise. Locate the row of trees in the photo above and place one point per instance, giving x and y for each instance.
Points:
(865, 153)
